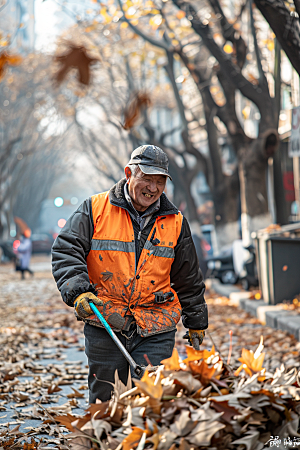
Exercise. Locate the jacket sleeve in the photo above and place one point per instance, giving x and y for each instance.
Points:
(187, 281)
(69, 253)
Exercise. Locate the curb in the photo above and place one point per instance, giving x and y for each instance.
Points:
(274, 316)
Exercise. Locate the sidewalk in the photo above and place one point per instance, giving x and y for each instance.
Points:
(274, 316)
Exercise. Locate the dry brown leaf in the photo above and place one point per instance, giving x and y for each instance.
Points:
(7, 59)
(75, 57)
(139, 102)
(75, 394)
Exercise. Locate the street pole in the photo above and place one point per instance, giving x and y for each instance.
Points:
(244, 210)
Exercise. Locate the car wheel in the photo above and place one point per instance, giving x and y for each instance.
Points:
(245, 284)
(229, 277)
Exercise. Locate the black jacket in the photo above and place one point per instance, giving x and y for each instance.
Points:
(72, 245)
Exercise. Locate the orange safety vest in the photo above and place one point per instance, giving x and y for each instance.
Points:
(124, 288)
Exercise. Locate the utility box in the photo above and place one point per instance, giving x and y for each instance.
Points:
(278, 263)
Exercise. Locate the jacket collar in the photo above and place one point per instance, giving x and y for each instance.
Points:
(117, 198)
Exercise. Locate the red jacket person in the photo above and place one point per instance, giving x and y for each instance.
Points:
(130, 250)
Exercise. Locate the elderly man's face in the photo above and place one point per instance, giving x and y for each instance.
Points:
(144, 189)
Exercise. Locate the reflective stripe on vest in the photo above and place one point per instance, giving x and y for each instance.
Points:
(118, 246)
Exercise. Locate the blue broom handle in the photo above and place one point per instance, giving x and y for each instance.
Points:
(114, 337)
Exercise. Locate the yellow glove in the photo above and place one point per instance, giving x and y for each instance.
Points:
(196, 338)
(82, 306)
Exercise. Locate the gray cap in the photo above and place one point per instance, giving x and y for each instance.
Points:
(151, 160)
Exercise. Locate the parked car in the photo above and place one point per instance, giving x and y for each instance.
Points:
(234, 263)
(41, 243)
(7, 253)
(221, 267)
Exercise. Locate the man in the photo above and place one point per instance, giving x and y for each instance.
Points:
(130, 251)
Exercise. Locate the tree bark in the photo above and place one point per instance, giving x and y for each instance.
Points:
(285, 25)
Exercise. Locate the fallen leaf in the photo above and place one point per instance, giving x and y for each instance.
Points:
(197, 355)
(172, 363)
(147, 386)
(204, 372)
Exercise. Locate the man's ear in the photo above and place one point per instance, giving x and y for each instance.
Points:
(127, 173)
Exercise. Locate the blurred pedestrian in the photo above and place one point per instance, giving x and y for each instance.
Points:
(24, 254)
(130, 252)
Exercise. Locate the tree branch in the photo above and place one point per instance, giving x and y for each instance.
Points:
(286, 27)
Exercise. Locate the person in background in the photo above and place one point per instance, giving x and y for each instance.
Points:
(24, 254)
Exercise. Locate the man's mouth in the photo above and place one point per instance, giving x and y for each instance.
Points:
(147, 195)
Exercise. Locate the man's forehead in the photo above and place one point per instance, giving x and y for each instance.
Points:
(141, 174)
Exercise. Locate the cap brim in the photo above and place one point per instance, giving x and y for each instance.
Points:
(152, 170)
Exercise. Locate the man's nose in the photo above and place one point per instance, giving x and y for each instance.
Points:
(152, 186)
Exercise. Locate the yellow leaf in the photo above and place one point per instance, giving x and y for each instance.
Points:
(124, 25)
(180, 15)
(228, 48)
(252, 362)
(134, 438)
(172, 363)
(270, 45)
(196, 355)
(147, 386)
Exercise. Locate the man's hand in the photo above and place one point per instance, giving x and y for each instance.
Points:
(196, 338)
(82, 306)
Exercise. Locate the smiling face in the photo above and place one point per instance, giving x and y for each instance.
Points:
(144, 189)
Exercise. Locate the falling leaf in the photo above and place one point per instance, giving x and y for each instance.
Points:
(75, 57)
(139, 102)
(8, 59)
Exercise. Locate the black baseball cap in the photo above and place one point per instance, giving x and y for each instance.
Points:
(151, 160)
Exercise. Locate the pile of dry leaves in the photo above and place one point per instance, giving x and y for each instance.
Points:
(197, 403)
(200, 402)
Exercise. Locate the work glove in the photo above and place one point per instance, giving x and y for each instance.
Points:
(196, 338)
(82, 306)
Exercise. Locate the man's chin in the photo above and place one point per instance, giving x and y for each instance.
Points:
(146, 202)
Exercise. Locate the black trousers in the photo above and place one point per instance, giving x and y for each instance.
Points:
(104, 357)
